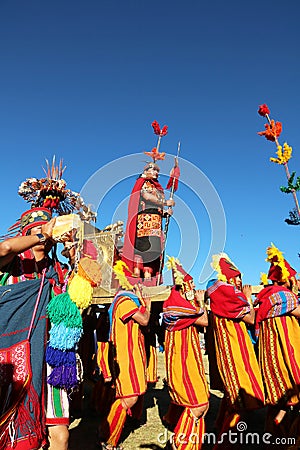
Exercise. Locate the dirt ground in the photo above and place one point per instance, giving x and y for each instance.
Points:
(150, 433)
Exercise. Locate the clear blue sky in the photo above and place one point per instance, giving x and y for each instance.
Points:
(83, 80)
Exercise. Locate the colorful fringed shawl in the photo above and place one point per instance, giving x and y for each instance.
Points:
(129, 369)
(179, 313)
(21, 363)
(184, 364)
(226, 300)
(279, 349)
(274, 301)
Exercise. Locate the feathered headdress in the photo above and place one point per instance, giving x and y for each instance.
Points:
(51, 192)
(46, 196)
(124, 275)
(180, 276)
(225, 268)
(280, 270)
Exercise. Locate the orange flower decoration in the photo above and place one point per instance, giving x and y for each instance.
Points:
(155, 155)
(273, 130)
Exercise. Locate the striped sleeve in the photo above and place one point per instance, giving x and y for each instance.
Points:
(127, 308)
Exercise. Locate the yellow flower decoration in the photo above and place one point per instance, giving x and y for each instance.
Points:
(283, 156)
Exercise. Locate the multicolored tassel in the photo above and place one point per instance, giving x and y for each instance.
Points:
(56, 357)
(64, 338)
(80, 291)
(62, 309)
(63, 377)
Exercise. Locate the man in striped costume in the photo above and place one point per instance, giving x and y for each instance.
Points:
(129, 311)
(232, 310)
(278, 330)
(182, 314)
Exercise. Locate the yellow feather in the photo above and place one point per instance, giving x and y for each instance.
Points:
(272, 252)
(120, 275)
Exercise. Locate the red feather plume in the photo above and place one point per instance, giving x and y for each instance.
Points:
(174, 177)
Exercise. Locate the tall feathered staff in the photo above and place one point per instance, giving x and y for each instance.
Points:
(173, 186)
(272, 132)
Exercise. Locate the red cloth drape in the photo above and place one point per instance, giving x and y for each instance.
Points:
(133, 208)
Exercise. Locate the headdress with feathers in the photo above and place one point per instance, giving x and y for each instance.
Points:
(280, 270)
(180, 276)
(47, 195)
(124, 275)
(225, 268)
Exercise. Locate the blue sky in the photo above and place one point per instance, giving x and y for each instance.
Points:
(84, 80)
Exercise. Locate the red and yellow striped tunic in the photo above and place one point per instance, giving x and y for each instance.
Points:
(236, 358)
(279, 349)
(128, 341)
(184, 364)
(279, 358)
(238, 364)
(185, 370)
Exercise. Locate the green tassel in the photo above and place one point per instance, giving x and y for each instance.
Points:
(61, 309)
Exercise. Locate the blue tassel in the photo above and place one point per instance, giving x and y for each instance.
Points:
(63, 377)
(55, 357)
(64, 338)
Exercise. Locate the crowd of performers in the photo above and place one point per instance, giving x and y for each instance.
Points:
(252, 345)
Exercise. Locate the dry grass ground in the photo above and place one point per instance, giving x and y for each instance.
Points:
(150, 433)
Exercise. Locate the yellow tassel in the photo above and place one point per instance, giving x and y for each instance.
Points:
(80, 291)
